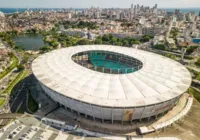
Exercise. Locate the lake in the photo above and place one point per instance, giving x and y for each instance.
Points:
(30, 41)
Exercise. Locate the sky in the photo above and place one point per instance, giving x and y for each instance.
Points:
(97, 3)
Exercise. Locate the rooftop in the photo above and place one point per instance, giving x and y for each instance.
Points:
(159, 80)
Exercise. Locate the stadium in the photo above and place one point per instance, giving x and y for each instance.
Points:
(111, 83)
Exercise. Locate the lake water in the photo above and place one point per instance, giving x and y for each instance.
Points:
(30, 42)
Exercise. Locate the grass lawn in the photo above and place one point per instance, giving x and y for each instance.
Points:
(2, 101)
(195, 93)
(32, 104)
(15, 62)
(12, 84)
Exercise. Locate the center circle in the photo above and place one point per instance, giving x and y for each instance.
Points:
(107, 62)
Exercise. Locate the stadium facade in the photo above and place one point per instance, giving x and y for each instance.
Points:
(152, 86)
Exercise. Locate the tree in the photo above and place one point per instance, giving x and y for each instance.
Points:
(135, 42)
(198, 62)
(25, 59)
(113, 40)
(83, 42)
(125, 43)
(64, 44)
(98, 40)
(160, 47)
(20, 67)
(46, 49)
(191, 49)
(171, 56)
(54, 43)
(106, 38)
(70, 43)
(198, 77)
(145, 38)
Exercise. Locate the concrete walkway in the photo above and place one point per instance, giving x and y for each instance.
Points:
(163, 124)
(25, 128)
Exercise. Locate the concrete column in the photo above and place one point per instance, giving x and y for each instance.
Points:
(122, 122)
(133, 115)
(167, 109)
(151, 111)
(112, 115)
(142, 114)
(159, 110)
(92, 111)
(102, 117)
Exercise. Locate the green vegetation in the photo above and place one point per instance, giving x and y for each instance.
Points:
(191, 49)
(146, 38)
(198, 77)
(188, 57)
(19, 48)
(196, 74)
(160, 47)
(80, 24)
(195, 93)
(20, 110)
(32, 104)
(170, 56)
(174, 33)
(12, 84)
(198, 62)
(31, 31)
(108, 39)
(15, 62)
(20, 67)
(46, 49)
(2, 101)
(25, 59)
(8, 38)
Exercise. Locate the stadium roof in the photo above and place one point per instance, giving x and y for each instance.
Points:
(159, 80)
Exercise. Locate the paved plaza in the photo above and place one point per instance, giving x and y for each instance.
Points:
(30, 128)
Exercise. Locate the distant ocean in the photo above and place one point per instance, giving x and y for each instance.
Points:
(183, 10)
(13, 10)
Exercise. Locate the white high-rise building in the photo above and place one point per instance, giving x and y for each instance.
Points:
(156, 6)
(131, 6)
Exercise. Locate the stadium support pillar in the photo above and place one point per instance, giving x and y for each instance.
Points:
(167, 109)
(142, 114)
(122, 122)
(112, 115)
(159, 110)
(151, 112)
(93, 111)
(133, 116)
(102, 118)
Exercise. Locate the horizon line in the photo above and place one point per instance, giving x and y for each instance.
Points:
(99, 7)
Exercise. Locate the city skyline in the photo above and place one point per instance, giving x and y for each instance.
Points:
(98, 3)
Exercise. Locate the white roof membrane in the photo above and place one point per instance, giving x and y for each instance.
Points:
(160, 78)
